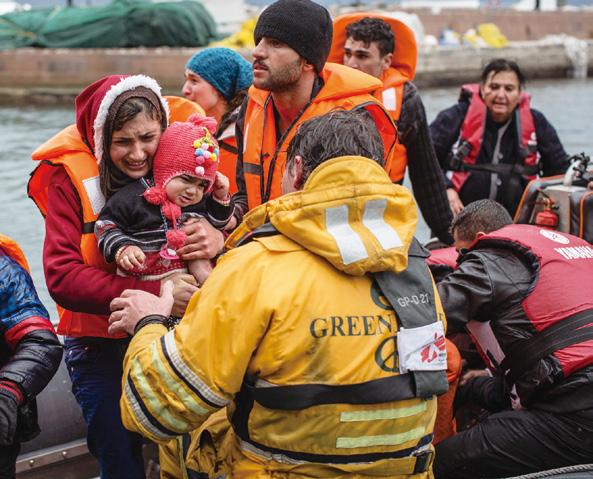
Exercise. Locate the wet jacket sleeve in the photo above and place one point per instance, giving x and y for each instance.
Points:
(427, 178)
(35, 351)
(172, 382)
(219, 214)
(554, 159)
(73, 284)
(110, 226)
(444, 131)
(240, 197)
(466, 292)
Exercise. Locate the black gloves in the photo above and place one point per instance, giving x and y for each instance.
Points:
(8, 417)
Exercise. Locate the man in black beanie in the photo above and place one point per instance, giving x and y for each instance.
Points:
(291, 84)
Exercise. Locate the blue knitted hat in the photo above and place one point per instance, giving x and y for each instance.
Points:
(223, 68)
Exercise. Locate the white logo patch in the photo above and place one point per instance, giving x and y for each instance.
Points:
(422, 349)
(554, 236)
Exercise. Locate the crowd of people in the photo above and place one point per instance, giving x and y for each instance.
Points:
(238, 281)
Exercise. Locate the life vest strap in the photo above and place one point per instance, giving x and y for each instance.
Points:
(230, 148)
(252, 169)
(525, 354)
(88, 228)
(267, 229)
(455, 163)
(302, 396)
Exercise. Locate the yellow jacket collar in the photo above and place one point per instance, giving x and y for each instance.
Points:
(349, 212)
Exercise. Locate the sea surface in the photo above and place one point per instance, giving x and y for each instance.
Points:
(568, 104)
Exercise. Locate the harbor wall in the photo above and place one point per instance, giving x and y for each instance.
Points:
(32, 75)
(515, 25)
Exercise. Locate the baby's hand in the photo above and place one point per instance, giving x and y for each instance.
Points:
(130, 257)
(220, 190)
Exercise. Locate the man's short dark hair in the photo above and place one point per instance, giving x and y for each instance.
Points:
(369, 30)
(503, 65)
(337, 133)
(481, 215)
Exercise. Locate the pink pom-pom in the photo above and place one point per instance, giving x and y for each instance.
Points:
(200, 170)
(175, 239)
(155, 195)
(171, 211)
(206, 121)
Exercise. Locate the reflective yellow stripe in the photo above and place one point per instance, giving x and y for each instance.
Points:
(385, 440)
(150, 399)
(174, 385)
(355, 416)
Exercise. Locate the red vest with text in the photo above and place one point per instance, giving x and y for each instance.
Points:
(472, 132)
(561, 288)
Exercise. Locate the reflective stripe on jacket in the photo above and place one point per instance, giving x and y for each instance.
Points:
(467, 148)
(402, 70)
(68, 150)
(324, 326)
(264, 157)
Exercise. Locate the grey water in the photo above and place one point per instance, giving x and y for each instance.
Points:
(568, 104)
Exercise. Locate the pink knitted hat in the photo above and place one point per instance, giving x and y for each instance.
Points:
(185, 148)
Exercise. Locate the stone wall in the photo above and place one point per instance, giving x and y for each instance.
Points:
(32, 75)
(516, 26)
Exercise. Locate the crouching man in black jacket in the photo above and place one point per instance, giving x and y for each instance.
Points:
(524, 294)
(30, 354)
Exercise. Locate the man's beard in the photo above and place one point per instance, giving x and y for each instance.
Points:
(282, 80)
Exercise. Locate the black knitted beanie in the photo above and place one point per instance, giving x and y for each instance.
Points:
(303, 25)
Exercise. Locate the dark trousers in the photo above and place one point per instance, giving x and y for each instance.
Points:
(512, 443)
(8, 455)
(95, 367)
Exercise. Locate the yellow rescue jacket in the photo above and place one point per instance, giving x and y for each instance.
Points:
(264, 157)
(402, 70)
(292, 312)
(68, 150)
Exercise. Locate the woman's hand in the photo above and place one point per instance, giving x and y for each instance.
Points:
(454, 202)
(130, 257)
(203, 241)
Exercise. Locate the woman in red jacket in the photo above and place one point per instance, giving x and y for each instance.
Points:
(119, 121)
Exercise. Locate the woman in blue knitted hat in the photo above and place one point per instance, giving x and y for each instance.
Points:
(218, 79)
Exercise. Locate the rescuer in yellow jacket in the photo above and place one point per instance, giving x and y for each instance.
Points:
(321, 328)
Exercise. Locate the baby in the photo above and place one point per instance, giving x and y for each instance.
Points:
(139, 227)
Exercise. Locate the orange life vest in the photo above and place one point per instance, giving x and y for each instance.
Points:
(402, 70)
(12, 249)
(264, 158)
(228, 158)
(68, 150)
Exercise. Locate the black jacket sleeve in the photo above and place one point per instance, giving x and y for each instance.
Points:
(465, 292)
(554, 159)
(444, 131)
(30, 347)
(34, 362)
(428, 181)
(240, 197)
(122, 211)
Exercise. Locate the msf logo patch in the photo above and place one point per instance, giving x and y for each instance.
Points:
(431, 351)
